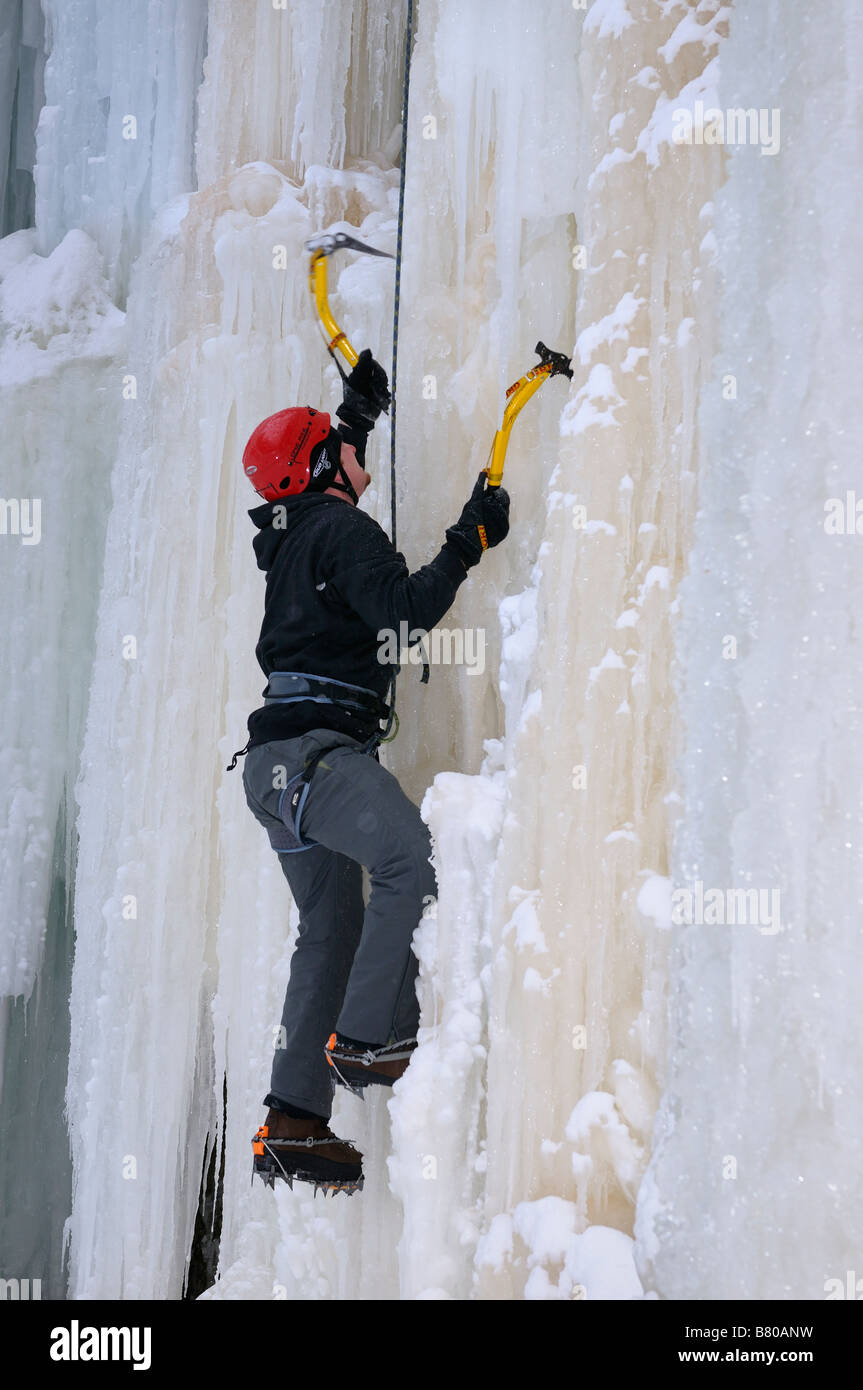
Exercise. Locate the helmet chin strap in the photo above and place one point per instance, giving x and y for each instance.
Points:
(347, 486)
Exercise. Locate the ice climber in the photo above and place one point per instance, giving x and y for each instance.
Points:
(335, 586)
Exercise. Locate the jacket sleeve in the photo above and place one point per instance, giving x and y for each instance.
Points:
(372, 578)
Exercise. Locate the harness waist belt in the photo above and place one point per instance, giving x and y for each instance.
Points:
(288, 687)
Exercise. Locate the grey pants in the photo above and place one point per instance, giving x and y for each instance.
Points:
(352, 969)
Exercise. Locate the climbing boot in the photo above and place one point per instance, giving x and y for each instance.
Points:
(305, 1150)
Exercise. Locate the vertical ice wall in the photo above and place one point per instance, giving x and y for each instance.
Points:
(59, 399)
(59, 402)
(755, 1189)
(116, 133)
(62, 389)
(308, 85)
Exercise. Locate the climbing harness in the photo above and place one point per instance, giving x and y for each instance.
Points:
(285, 837)
(291, 687)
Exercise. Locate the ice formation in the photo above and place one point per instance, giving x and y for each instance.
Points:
(610, 753)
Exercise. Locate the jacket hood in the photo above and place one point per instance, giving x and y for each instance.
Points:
(276, 520)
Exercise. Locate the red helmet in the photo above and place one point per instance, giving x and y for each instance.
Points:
(277, 458)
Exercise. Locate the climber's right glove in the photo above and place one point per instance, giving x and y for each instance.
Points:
(366, 393)
(484, 522)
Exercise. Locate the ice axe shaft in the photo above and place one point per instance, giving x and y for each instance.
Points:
(550, 364)
(321, 247)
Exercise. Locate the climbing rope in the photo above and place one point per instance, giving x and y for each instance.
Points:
(403, 163)
(405, 90)
(321, 247)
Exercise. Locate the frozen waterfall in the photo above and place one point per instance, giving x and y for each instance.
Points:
(609, 1101)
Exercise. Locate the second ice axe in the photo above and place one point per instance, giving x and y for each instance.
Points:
(550, 364)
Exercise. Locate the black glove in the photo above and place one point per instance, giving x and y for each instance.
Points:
(367, 393)
(487, 508)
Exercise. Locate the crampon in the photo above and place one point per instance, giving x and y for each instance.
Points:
(355, 1069)
(300, 1160)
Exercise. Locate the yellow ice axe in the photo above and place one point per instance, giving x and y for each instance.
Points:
(550, 364)
(321, 247)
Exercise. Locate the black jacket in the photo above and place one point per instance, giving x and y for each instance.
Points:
(334, 580)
